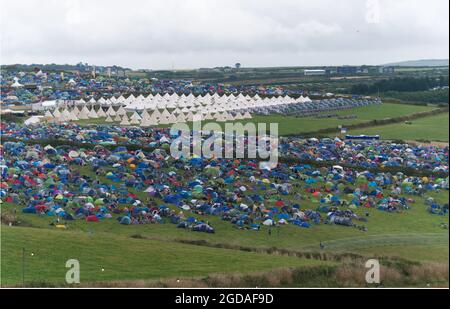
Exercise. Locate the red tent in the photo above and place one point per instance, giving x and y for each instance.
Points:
(92, 219)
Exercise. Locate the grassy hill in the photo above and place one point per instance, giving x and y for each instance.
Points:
(421, 63)
(116, 256)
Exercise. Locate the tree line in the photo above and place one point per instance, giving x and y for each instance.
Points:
(404, 84)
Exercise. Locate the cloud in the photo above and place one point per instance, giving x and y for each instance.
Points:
(200, 33)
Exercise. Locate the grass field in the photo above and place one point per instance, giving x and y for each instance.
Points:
(434, 128)
(105, 256)
(295, 125)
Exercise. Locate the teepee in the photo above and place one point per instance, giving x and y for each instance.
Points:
(92, 114)
(172, 118)
(84, 113)
(145, 114)
(101, 113)
(135, 121)
(181, 118)
(111, 111)
(121, 111)
(109, 119)
(163, 120)
(57, 113)
(145, 122)
(135, 116)
(75, 111)
(125, 121)
(157, 114)
(73, 116)
(48, 114)
(117, 118)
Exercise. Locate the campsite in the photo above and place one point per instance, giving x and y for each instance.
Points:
(292, 188)
(203, 144)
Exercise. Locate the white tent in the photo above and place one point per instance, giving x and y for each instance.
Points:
(73, 116)
(92, 114)
(121, 111)
(111, 111)
(181, 118)
(145, 122)
(101, 113)
(153, 120)
(66, 116)
(16, 84)
(135, 116)
(75, 111)
(32, 120)
(135, 121)
(238, 116)
(172, 118)
(163, 120)
(48, 114)
(57, 113)
(109, 119)
(145, 115)
(125, 121)
(157, 114)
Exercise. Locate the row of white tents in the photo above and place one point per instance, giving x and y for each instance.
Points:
(209, 103)
(142, 118)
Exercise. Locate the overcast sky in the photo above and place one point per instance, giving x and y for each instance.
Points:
(166, 34)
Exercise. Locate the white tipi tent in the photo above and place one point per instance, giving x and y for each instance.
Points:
(101, 113)
(48, 114)
(111, 111)
(93, 114)
(125, 121)
(109, 119)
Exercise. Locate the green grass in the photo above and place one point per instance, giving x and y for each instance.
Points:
(120, 257)
(433, 128)
(420, 253)
(294, 125)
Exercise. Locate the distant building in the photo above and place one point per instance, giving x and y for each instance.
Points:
(331, 71)
(314, 72)
(386, 70)
(348, 70)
